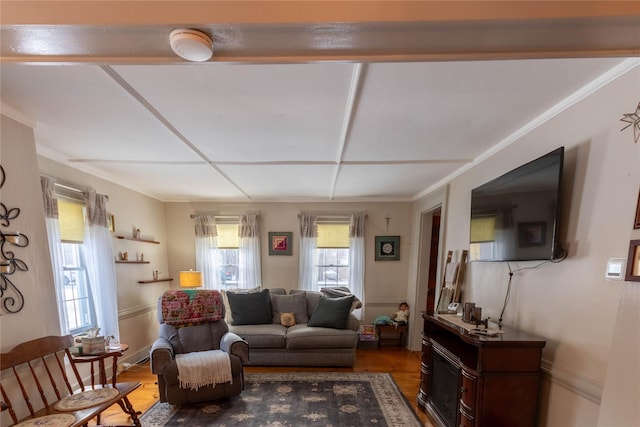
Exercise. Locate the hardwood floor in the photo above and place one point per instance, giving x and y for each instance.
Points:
(401, 363)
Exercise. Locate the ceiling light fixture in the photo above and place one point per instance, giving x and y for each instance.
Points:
(190, 44)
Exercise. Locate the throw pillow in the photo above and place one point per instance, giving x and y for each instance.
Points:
(331, 312)
(227, 309)
(287, 319)
(250, 308)
(294, 303)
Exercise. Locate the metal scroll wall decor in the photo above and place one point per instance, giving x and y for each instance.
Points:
(11, 298)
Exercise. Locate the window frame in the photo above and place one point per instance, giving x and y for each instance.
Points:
(321, 268)
(85, 284)
(225, 253)
(74, 195)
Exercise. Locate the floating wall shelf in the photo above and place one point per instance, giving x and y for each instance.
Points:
(131, 262)
(137, 240)
(168, 279)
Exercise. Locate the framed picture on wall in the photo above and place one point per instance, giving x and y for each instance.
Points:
(280, 242)
(636, 223)
(387, 248)
(633, 262)
(111, 222)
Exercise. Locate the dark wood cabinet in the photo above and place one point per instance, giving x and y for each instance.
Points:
(471, 380)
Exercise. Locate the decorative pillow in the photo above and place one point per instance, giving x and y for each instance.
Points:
(287, 319)
(331, 312)
(250, 308)
(294, 303)
(227, 309)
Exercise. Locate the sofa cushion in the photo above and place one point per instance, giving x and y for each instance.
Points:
(252, 308)
(293, 303)
(331, 312)
(301, 337)
(225, 297)
(261, 336)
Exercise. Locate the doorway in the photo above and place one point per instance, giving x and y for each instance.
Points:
(428, 258)
(433, 262)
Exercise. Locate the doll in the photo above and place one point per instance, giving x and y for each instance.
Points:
(401, 317)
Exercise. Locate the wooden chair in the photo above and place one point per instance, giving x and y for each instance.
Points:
(40, 380)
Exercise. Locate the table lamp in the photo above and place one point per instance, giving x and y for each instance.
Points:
(189, 280)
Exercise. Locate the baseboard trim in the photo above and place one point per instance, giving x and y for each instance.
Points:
(134, 358)
(579, 384)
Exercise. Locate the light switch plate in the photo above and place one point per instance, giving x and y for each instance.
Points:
(615, 269)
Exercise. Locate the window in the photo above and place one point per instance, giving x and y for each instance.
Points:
(332, 253)
(76, 294)
(227, 252)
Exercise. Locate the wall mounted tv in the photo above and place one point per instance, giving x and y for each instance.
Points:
(516, 216)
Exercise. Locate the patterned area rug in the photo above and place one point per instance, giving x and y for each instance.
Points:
(324, 399)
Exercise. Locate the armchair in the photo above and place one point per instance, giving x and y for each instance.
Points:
(184, 330)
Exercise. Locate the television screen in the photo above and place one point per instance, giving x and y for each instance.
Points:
(515, 217)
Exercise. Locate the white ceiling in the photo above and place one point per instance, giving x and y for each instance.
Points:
(320, 131)
(372, 101)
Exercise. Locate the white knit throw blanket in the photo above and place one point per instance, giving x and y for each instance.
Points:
(202, 368)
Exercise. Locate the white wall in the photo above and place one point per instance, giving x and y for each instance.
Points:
(570, 304)
(385, 281)
(39, 317)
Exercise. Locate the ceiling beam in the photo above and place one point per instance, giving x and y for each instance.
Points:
(136, 32)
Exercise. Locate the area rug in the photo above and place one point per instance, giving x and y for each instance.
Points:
(327, 399)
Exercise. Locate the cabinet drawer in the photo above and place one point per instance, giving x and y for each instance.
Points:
(468, 391)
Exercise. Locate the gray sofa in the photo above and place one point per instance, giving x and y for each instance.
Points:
(315, 339)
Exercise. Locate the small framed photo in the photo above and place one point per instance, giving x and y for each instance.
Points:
(280, 242)
(633, 262)
(387, 248)
(111, 222)
(532, 234)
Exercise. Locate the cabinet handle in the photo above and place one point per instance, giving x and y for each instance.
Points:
(463, 389)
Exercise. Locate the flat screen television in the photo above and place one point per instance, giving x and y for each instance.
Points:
(516, 216)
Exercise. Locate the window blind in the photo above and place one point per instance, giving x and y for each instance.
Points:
(333, 235)
(227, 235)
(71, 220)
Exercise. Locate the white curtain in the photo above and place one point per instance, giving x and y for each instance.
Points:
(206, 245)
(250, 274)
(356, 259)
(98, 249)
(308, 279)
(55, 250)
